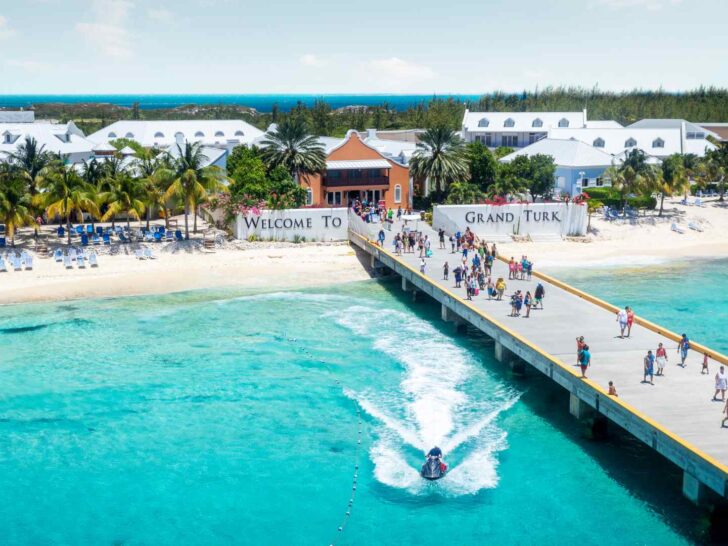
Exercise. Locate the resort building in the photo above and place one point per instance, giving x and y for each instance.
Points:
(720, 130)
(693, 137)
(387, 144)
(358, 170)
(166, 133)
(578, 165)
(17, 116)
(517, 129)
(67, 140)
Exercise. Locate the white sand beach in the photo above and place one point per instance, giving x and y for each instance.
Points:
(645, 241)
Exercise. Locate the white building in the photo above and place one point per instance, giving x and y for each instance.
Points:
(66, 140)
(516, 129)
(165, 133)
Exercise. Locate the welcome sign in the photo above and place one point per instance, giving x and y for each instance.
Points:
(518, 219)
(329, 224)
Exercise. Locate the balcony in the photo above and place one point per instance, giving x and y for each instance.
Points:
(363, 181)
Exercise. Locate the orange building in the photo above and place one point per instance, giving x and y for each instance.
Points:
(355, 170)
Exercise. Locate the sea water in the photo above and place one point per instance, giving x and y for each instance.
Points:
(232, 418)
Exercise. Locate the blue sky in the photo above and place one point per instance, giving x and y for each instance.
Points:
(389, 46)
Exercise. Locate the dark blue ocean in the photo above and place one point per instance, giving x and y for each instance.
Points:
(262, 103)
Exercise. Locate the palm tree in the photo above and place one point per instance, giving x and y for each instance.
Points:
(671, 178)
(193, 179)
(64, 193)
(440, 157)
(156, 178)
(633, 174)
(15, 210)
(125, 196)
(31, 161)
(463, 193)
(291, 145)
(714, 169)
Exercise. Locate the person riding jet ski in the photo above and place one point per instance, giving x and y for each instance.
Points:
(434, 468)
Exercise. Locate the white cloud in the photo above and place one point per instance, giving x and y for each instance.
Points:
(160, 15)
(652, 5)
(108, 32)
(5, 30)
(396, 74)
(309, 59)
(28, 65)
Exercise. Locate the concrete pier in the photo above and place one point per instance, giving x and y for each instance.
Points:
(673, 417)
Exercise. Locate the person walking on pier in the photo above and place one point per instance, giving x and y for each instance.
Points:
(584, 360)
(381, 238)
(527, 304)
(422, 265)
(721, 384)
(458, 276)
(441, 237)
(622, 319)
(445, 271)
(725, 411)
(683, 347)
(579, 348)
(612, 390)
(705, 369)
(630, 320)
(538, 296)
(649, 363)
(500, 287)
(453, 243)
(660, 359)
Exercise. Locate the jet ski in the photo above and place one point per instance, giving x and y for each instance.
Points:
(434, 468)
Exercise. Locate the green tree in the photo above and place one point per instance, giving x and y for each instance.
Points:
(15, 206)
(125, 196)
(65, 194)
(31, 161)
(193, 178)
(483, 166)
(513, 177)
(463, 193)
(670, 178)
(540, 181)
(502, 151)
(714, 169)
(291, 146)
(440, 157)
(635, 174)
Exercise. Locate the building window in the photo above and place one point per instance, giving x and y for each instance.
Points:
(630, 143)
(333, 198)
(158, 135)
(537, 123)
(509, 123)
(488, 139)
(309, 196)
(179, 136)
(483, 122)
(658, 143)
(510, 141)
(239, 133)
(397, 193)
(219, 134)
(129, 135)
(112, 135)
(598, 143)
(600, 181)
(563, 122)
(199, 134)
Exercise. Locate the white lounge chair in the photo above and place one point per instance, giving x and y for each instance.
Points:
(695, 226)
(67, 262)
(3, 267)
(58, 255)
(139, 254)
(92, 260)
(17, 263)
(72, 254)
(148, 254)
(677, 229)
(699, 202)
(81, 261)
(28, 259)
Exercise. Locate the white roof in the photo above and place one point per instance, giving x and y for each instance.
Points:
(164, 133)
(211, 153)
(350, 164)
(398, 150)
(128, 150)
(104, 147)
(65, 139)
(17, 116)
(666, 123)
(651, 159)
(522, 121)
(566, 153)
(603, 124)
(617, 140)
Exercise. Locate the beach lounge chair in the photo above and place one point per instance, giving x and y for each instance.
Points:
(93, 260)
(79, 230)
(67, 262)
(99, 231)
(89, 229)
(96, 239)
(149, 237)
(123, 238)
(72, 254)
(178, 235)
(81, 261)
(695, 227)
(58, 255)
(699, 203)
(677, 229)
(61, 232)
(158, 237)
(28, 261)
(139, 254)
(107, 238)
(169, 236)
(3, 267)
(2, 242)
(84, 239)
(148, 254)
(17, 263)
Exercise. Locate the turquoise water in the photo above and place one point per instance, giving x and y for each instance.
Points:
(689, 297)
(226, 418)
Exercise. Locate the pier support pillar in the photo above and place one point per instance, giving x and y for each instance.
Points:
(692, 488)
(445, 313)
(448, 315)
(578, 408)
(502, 354)
(405, 285)
(372, 261)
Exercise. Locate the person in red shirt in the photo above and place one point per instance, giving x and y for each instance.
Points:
(630, 320)
(661, 359)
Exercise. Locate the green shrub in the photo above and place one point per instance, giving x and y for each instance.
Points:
(428, 217)
(253, 238)
(298, 239)
(642, 202)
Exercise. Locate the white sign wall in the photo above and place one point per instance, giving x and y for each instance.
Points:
(519, 219)
(284, 225)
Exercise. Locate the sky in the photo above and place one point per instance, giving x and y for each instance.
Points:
(373, 46)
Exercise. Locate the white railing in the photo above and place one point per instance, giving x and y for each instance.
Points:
(360, 227)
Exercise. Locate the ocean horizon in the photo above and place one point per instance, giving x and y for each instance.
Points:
(261, 102)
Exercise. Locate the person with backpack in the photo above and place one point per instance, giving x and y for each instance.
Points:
(683, 347)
